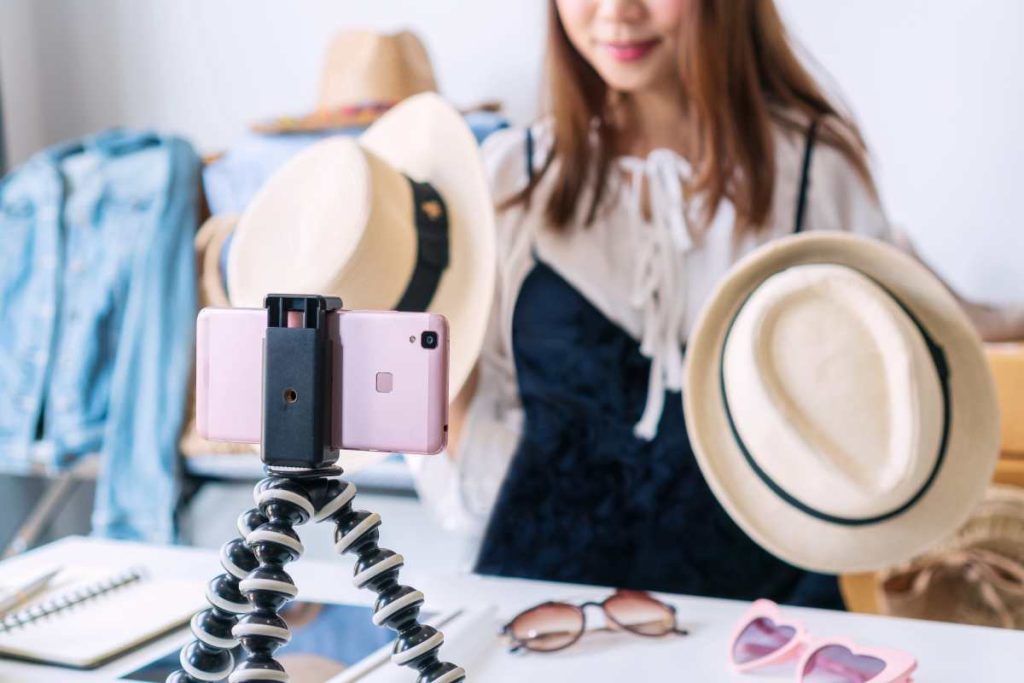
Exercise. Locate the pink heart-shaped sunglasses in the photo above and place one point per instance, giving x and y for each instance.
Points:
(763, 637)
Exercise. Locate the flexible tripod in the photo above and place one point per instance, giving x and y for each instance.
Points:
(246, 600)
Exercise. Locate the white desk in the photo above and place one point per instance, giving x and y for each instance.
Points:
(947, 653)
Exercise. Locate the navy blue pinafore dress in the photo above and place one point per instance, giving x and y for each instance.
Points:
(586, 501)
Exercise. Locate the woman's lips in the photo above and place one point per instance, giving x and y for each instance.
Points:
(630, 51)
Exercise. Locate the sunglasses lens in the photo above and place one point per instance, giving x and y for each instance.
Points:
(640, 613)
(548, 627)
(761, 638)
(836, 664)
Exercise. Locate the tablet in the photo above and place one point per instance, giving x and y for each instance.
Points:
(330, 642)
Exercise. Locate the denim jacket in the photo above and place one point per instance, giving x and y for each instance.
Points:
(97, 303)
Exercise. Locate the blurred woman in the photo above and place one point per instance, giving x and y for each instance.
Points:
(682, 134)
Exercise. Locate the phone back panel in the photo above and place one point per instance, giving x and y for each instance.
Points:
(229, 373)
(392, 392)
(412, 417)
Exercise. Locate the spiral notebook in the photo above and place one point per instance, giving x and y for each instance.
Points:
(90, 616)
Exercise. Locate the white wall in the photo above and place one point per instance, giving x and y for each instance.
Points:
(935, 84)
(939, 90)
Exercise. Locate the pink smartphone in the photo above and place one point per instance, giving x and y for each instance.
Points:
(389, 371)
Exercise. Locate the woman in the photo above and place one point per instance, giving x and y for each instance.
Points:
(682, 135)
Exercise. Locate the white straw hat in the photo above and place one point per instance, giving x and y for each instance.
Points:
(400, 217)
(839, 403)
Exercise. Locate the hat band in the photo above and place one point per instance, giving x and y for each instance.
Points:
(432, 247)
(941, 367)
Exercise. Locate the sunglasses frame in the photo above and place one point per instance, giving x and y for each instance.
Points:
(899, 665)
(518, 645)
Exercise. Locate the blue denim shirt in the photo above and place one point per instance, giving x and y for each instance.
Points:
(97, 303)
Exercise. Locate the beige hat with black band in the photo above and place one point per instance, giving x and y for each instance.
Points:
(398, 218)
(839, 403)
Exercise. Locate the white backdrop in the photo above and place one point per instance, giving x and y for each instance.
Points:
(935, 83)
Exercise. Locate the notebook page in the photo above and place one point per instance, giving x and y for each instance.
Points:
(86, 634)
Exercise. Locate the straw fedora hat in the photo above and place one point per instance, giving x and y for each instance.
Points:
(398, 218)
(974, 577)
(209, 243)
(839, 403)
(364, 74)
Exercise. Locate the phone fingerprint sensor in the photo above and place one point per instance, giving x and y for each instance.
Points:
(385, 382)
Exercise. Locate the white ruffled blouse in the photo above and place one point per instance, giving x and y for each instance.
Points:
(648, 271)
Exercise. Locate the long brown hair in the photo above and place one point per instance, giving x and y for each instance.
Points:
(740, 77)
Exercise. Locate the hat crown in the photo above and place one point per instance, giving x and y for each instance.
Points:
(833, 390)
(367, 67)
(339, 219)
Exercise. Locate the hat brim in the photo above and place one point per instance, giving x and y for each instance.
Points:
(318, 122)
(210, 242)
(785, 531)
(428, 140)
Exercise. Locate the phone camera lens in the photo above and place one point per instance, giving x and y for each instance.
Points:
(429, 340)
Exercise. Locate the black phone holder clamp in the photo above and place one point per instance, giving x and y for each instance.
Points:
(304, 483)
(297, 383)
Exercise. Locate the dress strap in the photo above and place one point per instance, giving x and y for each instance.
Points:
(529, 154)
(805, 177)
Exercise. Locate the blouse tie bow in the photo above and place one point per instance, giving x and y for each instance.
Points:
(659, 283)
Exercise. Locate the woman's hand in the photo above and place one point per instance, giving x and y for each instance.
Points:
(994, 324)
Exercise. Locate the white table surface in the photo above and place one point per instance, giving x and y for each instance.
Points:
(946, 652)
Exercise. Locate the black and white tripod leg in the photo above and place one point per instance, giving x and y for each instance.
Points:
(285, 503)
(397, 606)
(208, 658)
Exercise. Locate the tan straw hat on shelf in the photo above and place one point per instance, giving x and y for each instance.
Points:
(839, 403)
(974, 577)
(398, 218)
(364, 74)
